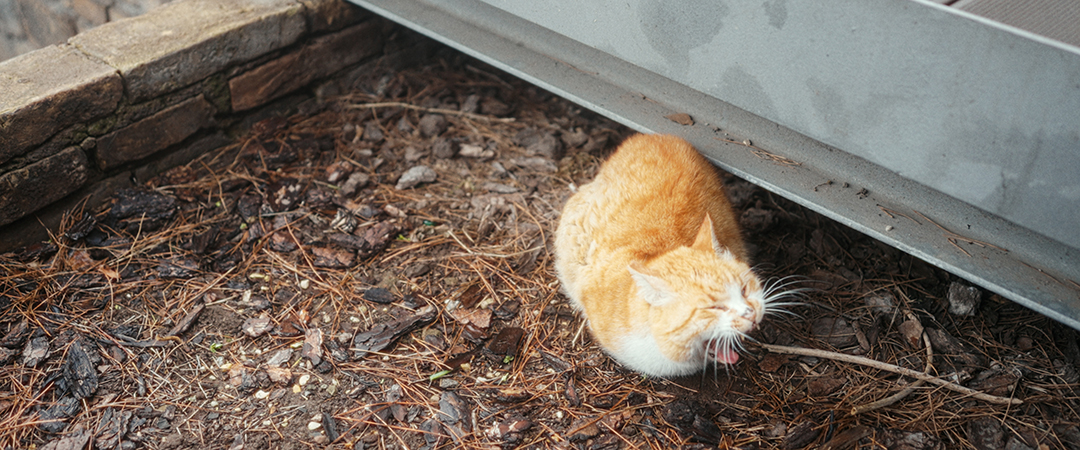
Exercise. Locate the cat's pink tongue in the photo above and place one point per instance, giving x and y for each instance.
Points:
(726, 356)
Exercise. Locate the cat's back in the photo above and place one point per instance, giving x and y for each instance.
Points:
(647, 160)
(652, 194)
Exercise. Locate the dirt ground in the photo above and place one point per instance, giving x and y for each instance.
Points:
(376, 273)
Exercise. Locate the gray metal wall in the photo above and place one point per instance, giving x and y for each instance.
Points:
(969, 127)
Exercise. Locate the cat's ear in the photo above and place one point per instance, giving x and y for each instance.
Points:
(706, 240)
(652, 288)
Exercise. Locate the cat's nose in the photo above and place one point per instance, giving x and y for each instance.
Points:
(748, 313)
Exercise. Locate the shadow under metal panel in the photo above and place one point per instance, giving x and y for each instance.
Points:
(947, 135)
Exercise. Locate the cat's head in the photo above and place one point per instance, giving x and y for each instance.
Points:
(703, 300)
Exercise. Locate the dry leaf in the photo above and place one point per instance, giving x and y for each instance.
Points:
(680, 118)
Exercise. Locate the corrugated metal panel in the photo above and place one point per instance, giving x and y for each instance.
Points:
(937, 113)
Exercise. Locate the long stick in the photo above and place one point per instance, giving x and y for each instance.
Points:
(891, 368)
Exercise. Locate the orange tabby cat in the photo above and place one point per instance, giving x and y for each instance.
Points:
(650, 252)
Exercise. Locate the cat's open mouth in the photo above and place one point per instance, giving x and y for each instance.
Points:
(721, 353)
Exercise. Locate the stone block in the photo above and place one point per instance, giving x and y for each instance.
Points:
(36, 226)
(183, 42)
(155, 133)
(181, 156)
(33, 187)
(47, 90)
(317, 59)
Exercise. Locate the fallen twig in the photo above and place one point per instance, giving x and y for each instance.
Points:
(892, 399)
(891, 368)
(448, 112)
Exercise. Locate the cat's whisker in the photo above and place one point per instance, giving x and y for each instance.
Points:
(779, 286)
(781, 311)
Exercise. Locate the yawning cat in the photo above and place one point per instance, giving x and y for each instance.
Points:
(650, 252)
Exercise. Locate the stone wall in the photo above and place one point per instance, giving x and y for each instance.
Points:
(123, 101)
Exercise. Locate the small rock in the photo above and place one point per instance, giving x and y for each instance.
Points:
(994, 382)
(373, 132)
(257, 326)
(835, 331)
(338, 171)
(499, 188)
(907, 440)
(501, 430)
(279, 375)
(536, 164)
(315, 198)
(912, 330)
(777, 429)
(414, 176)
(404, 126)
(547, 146)
(1016, 443)
(433, 125)
(825, 385)
(413, 154)
(756, 220)
(494, 107)
(963, 299)
(884, 303)
(1025, 343)
(597, 141)
(240, 378)
(354, 183)
(313, 341)
(417, 270)
(443, 149)
(574, 139)
(471, 104)
(475, 151)
(512, 395)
